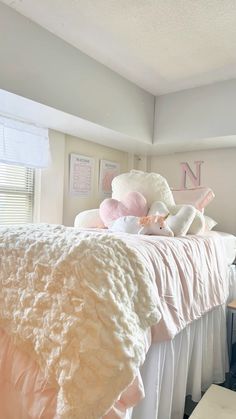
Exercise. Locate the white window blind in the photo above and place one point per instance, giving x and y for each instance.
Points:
(23, 144)
(16, 194)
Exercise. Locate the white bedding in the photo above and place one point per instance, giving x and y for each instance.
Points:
(229, 243)
(80, 307)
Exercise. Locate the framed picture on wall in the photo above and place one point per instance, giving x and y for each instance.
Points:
(81, 171)
(108, 170)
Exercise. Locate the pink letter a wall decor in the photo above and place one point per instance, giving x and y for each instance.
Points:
(194, 178)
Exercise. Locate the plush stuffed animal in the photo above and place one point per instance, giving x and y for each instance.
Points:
(158, 222)
(178, 222)
(153, 187)
(151, 225)
(155, 225)
(133, 203)
(122, 216)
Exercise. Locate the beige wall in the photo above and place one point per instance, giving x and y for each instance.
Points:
(56, 205)
(218, 172)
(72, 204)
(51, 181)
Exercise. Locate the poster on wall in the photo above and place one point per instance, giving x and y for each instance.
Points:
(108, 170)
(81, 175)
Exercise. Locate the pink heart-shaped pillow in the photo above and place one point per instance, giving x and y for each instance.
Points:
(134, 203)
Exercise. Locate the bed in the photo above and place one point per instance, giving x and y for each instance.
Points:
(193, 360)
(75, 313)
(145, 277)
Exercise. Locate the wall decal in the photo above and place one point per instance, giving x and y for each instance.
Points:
(195, 178)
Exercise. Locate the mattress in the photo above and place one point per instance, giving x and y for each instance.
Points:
(229, 241)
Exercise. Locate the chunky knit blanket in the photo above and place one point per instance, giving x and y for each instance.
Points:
(80, 305)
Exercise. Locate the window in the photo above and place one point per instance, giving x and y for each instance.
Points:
(16, 194)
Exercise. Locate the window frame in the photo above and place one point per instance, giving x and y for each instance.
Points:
(35, 214)
(37, 196)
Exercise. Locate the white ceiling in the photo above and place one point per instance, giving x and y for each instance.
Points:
(161, 45)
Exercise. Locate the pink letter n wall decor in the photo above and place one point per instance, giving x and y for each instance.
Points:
(195, 178)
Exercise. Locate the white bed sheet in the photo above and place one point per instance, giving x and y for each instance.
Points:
(229, 242)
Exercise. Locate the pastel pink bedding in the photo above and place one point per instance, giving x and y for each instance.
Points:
(190, 274)
(190, 280)
(25, 394)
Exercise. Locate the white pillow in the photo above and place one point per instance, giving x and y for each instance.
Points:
(152, 185)
(89, 219)
(209, 223)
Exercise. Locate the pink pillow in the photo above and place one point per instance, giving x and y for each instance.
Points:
(133, 203)
(198, 197)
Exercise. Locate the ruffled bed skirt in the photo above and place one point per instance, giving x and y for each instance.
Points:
(186, 365)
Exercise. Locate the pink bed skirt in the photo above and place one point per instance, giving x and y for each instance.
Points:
(26, 394)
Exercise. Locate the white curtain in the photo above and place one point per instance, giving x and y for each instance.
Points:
(23, 144)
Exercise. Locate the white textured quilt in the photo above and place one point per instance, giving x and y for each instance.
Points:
(81, 305)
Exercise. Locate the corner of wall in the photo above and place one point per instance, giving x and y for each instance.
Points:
(52, 182)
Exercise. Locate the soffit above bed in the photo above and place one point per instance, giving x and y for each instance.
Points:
(59, 87)
(23, 109)
(162, 46)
